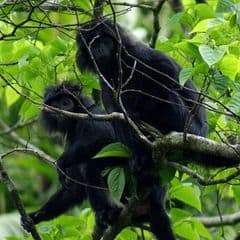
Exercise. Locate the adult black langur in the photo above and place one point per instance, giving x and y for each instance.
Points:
(84, 139)
(149, 89)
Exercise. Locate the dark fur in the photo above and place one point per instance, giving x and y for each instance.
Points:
(155, 75)
(164, 116)
(84, 139)
(138, 106)
(152, 95)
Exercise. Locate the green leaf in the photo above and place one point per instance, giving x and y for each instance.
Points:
(234, 103)
(60, 44)
(116, 182)
(201, 229)
(221, 83)
(233, 21)
(236, 191)
(175, 19)
(185, 75)
(28, 110)
(230, 66)
(114, 150)
(212, 56)
(90, 82)
(23, 61)
(204, 11)
(187, 195)
(237, 7)
(206, 24)
(189, 49)
(201, 68)
(202, 26)
(185, 230)
(224, 6)
(178, 214)
(6, 49)
(11, 95)
(127, 234)
(23, 47)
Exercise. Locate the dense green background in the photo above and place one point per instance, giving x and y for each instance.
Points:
(37, 49)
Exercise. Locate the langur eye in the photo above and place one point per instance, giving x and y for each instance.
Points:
(66, 103)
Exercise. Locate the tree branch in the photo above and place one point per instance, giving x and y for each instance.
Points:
(201, 180)
(175, 142)
(45, 5)
(156, 25)
(82, 116)
(19, 125)
(132, 5)
(217, 221)
(29, 147)
(98, 8)
(17, 201)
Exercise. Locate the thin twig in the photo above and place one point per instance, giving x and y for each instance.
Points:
(201, 180)
(14, 137)
(156, 24)
(17, 201)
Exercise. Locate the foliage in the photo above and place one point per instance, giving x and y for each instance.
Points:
(38, 49)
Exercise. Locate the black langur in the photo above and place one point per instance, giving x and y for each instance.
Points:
(84, 139)
(100, 40)
(149, 88)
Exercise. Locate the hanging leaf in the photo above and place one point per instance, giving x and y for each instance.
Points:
(201, 229)
(234, 103)
(187, 195)
(185, 230)
(116, 182)
(184, 75)
(221, 83)
(178, 214)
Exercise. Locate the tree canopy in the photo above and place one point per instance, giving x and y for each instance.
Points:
(38, 49)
